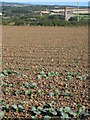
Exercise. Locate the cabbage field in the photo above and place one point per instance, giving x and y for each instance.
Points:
(44, 72)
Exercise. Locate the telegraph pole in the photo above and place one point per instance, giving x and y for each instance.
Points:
(78, 11)
(41, 13)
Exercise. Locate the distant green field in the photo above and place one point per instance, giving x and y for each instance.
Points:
(84, 16)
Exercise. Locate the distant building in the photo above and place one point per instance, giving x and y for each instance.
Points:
(32, 18)
(68, 13)
(0, 14)
(44, 12)
(7, 17)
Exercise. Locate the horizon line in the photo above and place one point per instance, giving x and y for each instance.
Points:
(51, 3)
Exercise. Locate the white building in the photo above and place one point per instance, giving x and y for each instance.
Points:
(0, 14)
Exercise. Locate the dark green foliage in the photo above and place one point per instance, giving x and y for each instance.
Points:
(47, 111)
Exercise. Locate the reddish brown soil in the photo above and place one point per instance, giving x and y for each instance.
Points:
(58, 49)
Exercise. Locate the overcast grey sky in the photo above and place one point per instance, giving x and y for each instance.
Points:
(44, 0)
